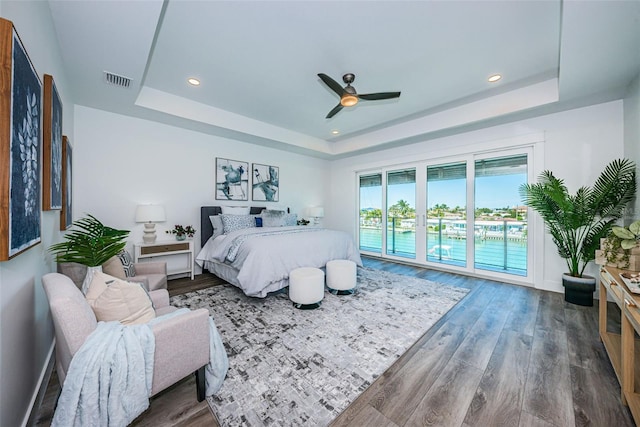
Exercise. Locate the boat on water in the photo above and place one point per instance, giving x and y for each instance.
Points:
(440, 251)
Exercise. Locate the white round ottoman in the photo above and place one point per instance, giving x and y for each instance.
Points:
(306, 287)
(341, 276)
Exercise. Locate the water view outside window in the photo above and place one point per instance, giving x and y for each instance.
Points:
(401, 213)
(498, 227)
(371, 213)
(446, 213)
(500, 223)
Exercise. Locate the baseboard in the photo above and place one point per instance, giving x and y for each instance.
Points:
(41, 389)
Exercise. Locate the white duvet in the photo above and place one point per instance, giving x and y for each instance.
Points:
(268, 254)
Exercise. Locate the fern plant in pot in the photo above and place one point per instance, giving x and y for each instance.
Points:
(89, 243)
(578, 222)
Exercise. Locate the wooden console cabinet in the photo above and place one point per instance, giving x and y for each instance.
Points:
(623, 348)
(151, 251)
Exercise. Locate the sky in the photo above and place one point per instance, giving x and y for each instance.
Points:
(491, 192)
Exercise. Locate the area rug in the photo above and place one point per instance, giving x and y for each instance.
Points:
(290, 367)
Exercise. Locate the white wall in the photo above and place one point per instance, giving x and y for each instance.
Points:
(578, 145)
(121, 161)
(26, 330)
(632, 134)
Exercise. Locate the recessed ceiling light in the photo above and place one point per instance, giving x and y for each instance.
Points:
(193, 81)
(335, 131)
(494, 78)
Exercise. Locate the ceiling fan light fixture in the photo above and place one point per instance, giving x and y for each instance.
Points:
(348, 100)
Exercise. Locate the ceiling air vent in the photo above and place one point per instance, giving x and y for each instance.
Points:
(116, 80)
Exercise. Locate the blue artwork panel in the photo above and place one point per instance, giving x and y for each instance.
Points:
(56, 151)
(24, 200)
(68, 216)
(266, 183)
(232, 181)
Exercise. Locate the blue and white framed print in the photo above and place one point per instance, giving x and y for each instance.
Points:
(232, 180)
(266, 183)
(51, 146)
(20, 149)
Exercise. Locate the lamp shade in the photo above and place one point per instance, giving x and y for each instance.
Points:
(316, 211)
(150, 213)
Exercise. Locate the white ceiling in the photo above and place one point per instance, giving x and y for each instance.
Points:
(258, 63)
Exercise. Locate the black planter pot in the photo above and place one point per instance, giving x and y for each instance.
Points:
(579, 290)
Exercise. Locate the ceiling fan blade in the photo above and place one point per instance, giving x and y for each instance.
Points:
(377, 96)
(334, 111)
(334, 85)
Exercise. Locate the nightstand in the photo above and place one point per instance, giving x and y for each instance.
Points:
(169, 249)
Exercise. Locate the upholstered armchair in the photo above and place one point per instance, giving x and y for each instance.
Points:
(181, 342)
(153, 275)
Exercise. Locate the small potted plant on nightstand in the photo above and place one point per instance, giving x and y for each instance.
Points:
(182, 232)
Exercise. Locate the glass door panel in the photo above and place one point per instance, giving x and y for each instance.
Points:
(401, 213)
(447, 213)
(370, 232)
(500, 223)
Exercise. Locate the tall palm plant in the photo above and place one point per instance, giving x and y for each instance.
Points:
(578, 222)
(90, 243)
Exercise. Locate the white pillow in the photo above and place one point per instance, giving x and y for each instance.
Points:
(272, 218)
(113, 299)
(290, 219)
(236, 210)
(237, 222)
(216, 223)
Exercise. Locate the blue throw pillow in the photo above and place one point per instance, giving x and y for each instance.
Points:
(258, 221)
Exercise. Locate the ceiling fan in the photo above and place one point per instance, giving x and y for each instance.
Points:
(348, 95)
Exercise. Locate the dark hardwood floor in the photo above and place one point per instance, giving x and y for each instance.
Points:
(505, 355)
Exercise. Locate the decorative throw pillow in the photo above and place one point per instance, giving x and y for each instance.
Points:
(236, 210)
(272, 218)
(258, 221)
(290, 219)
(114, 267)
(127, 264)
(216, 223)
(113, 299)
(236, 222)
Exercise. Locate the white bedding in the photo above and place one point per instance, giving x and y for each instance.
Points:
(268, 254)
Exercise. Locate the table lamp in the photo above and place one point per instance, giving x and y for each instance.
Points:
(316, 212)
(149, 215)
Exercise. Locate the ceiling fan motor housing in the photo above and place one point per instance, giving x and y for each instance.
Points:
(348, 78)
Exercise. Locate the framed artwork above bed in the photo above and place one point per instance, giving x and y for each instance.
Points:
(232, 179)
(266, 183)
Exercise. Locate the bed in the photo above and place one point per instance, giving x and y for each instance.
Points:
(258, 260)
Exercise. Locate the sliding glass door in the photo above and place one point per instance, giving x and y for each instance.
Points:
(401, 213)
(500, 226)
(446, 213)
(370, 228)
(463, 212)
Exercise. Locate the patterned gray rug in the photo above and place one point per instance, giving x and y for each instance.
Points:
(303, 367)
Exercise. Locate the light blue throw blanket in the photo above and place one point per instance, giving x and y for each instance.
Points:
(109, 379)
